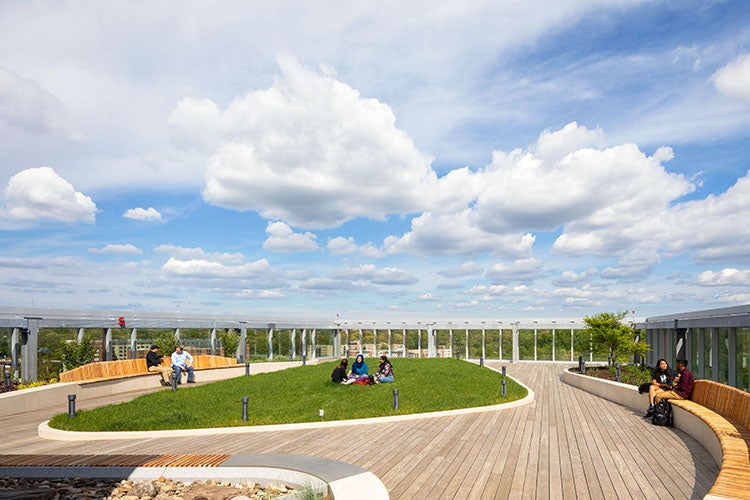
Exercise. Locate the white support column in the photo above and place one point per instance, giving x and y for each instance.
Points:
(376, 351)
(14, 352)
(484, 342)
(270, 343)
(467, 340)
(450, 338)
(108, 345)
(359, 345)
(133, 343)
(177, 335)
(534, 341)
(431, 341)
(304, 342)
(419, 339)
(313, 344)
(213, 341)
(515, 342)
(242, 347)
(346, 349)
(293, 339)
(572, 345)
(80, 335)
(553, 343)
(390, 340)
(403, 347)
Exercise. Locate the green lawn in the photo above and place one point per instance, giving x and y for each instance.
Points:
(296, 395)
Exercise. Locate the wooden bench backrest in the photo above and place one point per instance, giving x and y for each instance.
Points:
(128, 367)
(723, 399)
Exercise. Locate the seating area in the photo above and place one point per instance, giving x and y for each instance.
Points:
(726, 410)
(123, 368)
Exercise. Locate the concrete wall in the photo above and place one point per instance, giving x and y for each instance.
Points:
(627, 395)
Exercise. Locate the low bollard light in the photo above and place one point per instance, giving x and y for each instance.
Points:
(504, 388)
(617, 371)
(321, 414)
(173, 379)
(245, 400)
(581, 364)
(71, 405)
(7, 380)
(395, 399)
(247, 369)
(304, 360)
(481, 360)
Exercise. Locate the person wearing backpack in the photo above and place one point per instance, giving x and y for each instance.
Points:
(682, 385)
(661, 379)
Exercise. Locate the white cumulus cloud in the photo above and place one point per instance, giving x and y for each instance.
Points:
(41, 194)
(311, 151)
(281, 238)
(197, 253)
(209, 269)
(726, 277)
(117, 249)
(145, 214)
(378, 276)
(733, 80)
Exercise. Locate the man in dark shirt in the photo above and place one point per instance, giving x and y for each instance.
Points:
(153, 363)
(682, 385)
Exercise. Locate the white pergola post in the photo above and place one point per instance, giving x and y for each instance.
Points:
(133, 343)
(270, 343)
(403, 347)
(467, 340)
(500, 342)
(390, 340)
(484, 339)
(375, 341)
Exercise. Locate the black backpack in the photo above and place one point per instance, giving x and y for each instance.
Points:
(662, 414)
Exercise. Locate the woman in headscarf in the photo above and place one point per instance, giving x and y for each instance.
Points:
(359, 367)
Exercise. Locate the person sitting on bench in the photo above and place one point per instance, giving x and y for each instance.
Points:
(153, 364)
(682, 385)
(182, 360)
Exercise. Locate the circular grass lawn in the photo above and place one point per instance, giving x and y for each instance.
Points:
(298, 394)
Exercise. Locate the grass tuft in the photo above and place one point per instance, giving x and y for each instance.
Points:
(297, 394)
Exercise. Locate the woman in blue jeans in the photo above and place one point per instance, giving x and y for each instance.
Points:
(385, 371)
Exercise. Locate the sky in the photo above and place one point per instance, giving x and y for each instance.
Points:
(471, 159)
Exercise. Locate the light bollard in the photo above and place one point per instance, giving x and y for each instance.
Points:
(581, 364)
(505, 393)
(247, 369)
(304, 360)
(395, 399)
(617, 371)
(7, 379)
(245, 400)
(173, 379)
(71, 405)
(481, 360)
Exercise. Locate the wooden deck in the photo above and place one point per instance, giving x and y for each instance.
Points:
(567, 444)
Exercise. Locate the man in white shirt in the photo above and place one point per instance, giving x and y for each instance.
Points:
(182, 360)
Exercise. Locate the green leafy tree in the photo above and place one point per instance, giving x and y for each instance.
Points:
(611, 335)
(230, 339)
(74, 353)
(167, 342)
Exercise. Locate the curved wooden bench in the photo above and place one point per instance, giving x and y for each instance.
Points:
(122, 368)
(726, 410)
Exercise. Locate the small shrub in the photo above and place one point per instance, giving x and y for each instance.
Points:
(76, 353)
(230, 339)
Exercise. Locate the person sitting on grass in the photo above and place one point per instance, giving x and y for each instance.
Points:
(359, 367)
(153, 364)
(385, 371)
(682, 385)
(661, 379)
(182, 360)
(339, 373)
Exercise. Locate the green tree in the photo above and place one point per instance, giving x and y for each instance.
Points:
(166, 341)
(74, 353)
(611, 335)
(230, 339)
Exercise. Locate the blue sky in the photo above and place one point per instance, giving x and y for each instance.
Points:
(428, 160)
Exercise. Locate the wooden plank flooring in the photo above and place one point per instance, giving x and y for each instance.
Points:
(567, 444)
